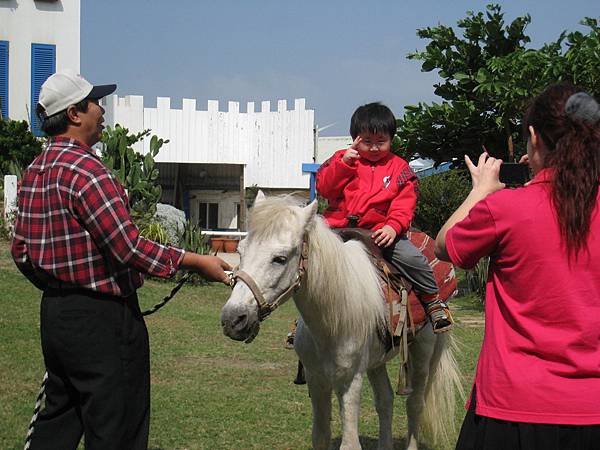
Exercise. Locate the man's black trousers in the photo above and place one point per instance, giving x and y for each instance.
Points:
(96, 353)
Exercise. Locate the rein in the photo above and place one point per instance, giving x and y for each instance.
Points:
(264, 307)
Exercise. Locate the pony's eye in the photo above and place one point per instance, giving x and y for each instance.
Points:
(279, 260)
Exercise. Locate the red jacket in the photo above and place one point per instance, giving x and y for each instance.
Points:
(380, 193)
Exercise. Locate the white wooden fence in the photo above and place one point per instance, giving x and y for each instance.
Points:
(271, 144)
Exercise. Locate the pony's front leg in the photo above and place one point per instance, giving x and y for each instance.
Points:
(349, 400)
(384, 404)
(320, 397)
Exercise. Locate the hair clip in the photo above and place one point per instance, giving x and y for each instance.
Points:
(582, 106)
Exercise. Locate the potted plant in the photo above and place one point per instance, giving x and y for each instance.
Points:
(224, 244)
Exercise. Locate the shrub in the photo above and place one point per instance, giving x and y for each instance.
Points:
(155, 232)
(18, 146)
(5, 226)
(439, 196)
(192, 240)
(477, 278)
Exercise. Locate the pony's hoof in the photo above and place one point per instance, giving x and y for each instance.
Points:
(405, 391)
(300, 378)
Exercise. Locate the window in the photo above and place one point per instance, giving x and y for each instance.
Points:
(43, 64)
(3, 79)
(208, 216)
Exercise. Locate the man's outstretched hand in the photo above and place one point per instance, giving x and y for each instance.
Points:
(210, 267)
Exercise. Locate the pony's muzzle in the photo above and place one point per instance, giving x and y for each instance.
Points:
(237, 323)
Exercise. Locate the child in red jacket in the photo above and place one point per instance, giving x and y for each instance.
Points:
(368, 186)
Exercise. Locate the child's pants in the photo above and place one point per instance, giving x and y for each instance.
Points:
(412, 265)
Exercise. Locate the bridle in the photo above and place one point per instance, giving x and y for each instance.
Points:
(264, 307)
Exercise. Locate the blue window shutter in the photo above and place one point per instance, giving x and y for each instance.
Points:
(43, 64)
(4, 79)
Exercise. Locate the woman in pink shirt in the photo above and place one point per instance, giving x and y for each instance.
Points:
(537, 384)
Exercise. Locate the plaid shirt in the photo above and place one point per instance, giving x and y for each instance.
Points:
(73, 226)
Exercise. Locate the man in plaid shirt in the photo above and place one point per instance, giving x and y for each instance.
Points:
(74, 240)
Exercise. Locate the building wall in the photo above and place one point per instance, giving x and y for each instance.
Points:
(23, 22)
(328, 145)
(227, 202)
(271, 145)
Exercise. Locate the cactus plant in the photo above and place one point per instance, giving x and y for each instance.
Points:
(138, 173)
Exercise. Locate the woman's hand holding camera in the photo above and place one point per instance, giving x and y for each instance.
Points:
(485, 175)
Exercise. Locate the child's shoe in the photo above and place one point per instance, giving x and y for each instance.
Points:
(439, 315)
(289, 340)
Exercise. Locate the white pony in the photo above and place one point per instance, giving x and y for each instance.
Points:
(290, 248)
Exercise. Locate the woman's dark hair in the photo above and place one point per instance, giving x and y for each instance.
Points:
(568, 122)
(373, 118)
(58, 123)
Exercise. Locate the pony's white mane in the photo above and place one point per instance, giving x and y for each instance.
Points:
(341, 281)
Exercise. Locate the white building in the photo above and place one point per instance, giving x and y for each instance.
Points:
(328, 145)
(37, 38)
(214, 156)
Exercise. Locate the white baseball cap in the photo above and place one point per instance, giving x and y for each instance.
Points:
(66, 88)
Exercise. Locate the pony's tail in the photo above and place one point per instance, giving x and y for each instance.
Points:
(438, 424)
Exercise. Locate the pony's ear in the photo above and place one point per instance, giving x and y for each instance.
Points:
(260, 196)
(310, 211)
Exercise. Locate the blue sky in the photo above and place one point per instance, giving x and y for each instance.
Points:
(336, 54)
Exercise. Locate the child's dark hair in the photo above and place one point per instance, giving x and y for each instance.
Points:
(568, 122)
(373, 118)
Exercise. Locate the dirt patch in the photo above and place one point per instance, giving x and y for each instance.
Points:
(472, 321)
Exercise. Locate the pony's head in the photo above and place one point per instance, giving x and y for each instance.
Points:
(270, 261)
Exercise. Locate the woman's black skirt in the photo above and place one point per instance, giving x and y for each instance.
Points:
(484, 433)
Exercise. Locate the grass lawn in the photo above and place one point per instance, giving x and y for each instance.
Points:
(208, 392)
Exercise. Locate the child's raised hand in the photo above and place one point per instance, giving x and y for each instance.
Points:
(351, 154)
(385, 236)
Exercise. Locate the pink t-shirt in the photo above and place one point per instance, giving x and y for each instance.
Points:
(540, 358)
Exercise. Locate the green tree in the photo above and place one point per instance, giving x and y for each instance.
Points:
(18, 146)
(488, 76)
(137, 172)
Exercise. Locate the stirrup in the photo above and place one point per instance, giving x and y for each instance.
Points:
(439, 315)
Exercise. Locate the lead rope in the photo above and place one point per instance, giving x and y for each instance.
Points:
(186, 276)
(41, 394)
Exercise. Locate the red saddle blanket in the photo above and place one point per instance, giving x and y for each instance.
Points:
(443, 273)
